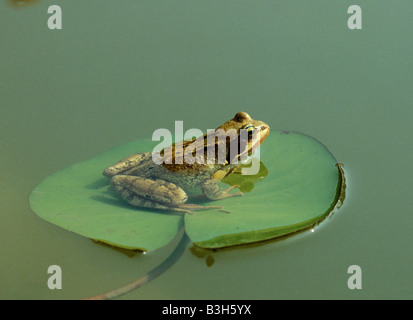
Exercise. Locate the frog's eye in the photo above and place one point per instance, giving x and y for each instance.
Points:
(250, 128)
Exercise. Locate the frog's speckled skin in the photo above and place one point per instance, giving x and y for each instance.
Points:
(143, 183)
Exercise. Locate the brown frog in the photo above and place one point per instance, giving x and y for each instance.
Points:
(143, 183)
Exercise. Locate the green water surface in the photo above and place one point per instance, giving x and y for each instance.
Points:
(117, 71)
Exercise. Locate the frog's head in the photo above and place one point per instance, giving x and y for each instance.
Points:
(249, 132)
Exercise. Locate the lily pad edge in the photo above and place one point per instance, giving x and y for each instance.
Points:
(272, 232)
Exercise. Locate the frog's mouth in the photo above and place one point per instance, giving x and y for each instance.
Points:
(264, 132)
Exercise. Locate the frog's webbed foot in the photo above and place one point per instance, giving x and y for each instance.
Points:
(187, 207)
(224, 194)
(212, 191)
(234, 194)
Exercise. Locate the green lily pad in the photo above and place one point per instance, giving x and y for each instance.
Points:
(81, 200)
(300, 186)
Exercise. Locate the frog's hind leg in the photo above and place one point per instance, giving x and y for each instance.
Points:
(157, 193)
(142, 192)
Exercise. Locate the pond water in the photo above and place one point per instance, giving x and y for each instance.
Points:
(116, 72)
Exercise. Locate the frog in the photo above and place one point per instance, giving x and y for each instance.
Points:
(143, 182)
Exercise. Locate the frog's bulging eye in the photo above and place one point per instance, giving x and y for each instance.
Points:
(250, 128)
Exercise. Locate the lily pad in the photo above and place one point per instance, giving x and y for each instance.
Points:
(300, 186)
(81, 200)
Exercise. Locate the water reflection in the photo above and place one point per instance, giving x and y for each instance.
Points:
(203, 253)
(246, 182)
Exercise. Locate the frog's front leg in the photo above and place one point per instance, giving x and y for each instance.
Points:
(127, 165)
(211, 190)
(156, 193)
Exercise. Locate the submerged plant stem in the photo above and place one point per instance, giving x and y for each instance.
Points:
(155, 272)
